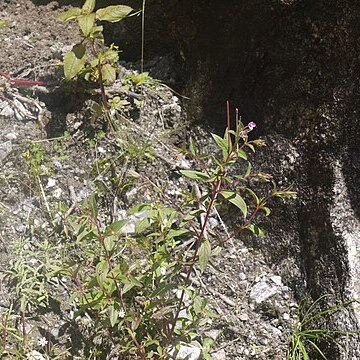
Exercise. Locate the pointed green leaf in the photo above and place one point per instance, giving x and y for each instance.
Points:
(242, 154)
(221, 142)
(192, 147)
(204, 254)
(88, 6)
(142, 225)
(102, 269)
(139, 208)
(255, 197)
(179, 232)
(69, 14)
(162, 288)
(113, 315)
(74, 61)
(114, 228)
(256, 230)
(196, 175)
(93, 207)
(251, 146)
(235, 199)
(248, 170)
(108, 73)
(86, 23)
(109, 243)
(113, 13)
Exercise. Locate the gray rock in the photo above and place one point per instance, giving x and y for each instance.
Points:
(262, 291)
(5, 149)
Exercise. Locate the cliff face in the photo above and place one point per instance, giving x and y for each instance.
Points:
(293, 68)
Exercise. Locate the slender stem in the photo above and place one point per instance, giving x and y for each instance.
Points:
(102, 89)
(228, 119)
(216, 191)
(143, 35)
(100, 80)
(214, 197)
(22, 82)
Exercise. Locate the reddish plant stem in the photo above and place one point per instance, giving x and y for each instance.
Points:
(215, 194)
(22, 82)
(196, 250)
(228, 119)
(251, 218)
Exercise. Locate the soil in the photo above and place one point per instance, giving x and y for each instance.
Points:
(249, 326)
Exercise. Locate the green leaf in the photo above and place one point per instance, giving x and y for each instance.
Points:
(93, 207)
(235, 199)
(162, 288)
(179, 232)
(267, 210)
(142, 225)
(129, 284)
(256, 230)
(139, 208)
(69, 14)
(74, 61)
(108, 73)
(196, 175)
(192, 147)
(204, 254)
(248, 170)
(139, 79)
(113, 13)
(221, 142)
(251, 146)
(118, 103)
(88, 6)
(111, 56)
(242, 154)
(255, 197)
(102, 269)
(113, 315)
(109, 243)
(86, 23)
(115, 227)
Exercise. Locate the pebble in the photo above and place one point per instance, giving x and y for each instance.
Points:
(11, 136)
(244, 317)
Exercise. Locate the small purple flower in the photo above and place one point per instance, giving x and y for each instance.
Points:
(251, 125)
(242, 133)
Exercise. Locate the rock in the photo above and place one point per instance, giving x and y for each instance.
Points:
(244, 317)
(262, 291)
(5, 149)
(219, 355)
(186, 352)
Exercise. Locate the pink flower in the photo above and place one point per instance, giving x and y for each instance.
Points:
(251, 125)
(242, 133)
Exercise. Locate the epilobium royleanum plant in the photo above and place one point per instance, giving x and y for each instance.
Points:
(91, 59)
(127, 281)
